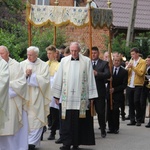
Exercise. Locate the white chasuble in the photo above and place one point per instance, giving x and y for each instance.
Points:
(39, 93)
(17, 125)
(4, 86)
(17, 98)
(75, 84)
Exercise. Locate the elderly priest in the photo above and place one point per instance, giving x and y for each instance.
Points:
(75, 84)
(37, 74)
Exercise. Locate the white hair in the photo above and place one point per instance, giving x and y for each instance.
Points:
(4, 47)
(76, 43)
(33, 48)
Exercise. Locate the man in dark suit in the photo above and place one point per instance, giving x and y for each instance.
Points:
(119, 83)
(102, 73)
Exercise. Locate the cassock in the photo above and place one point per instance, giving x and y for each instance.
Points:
(17, 125)
(4, 86)
(39, 98)
(75, 84)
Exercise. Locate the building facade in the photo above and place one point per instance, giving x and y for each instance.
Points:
(77, 33)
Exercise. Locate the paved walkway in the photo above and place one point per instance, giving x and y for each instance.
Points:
(129, 138)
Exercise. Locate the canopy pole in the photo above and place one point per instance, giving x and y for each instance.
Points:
(28, 6)
(110, 67)
(110, 60)
(54, 42)
(90, 28)
(55, 29)
(92, 107)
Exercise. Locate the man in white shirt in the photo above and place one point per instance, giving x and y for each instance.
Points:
(136, 76)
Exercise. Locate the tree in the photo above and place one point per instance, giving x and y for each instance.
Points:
(119, 44)
(144, 44)
(13, 31)
(11, 12)
(43, 37)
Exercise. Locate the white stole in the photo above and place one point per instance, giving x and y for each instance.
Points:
(76, 84)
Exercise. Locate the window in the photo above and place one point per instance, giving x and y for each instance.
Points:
(42, 2)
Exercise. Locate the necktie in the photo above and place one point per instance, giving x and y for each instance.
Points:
(94, 65)
(115, 72)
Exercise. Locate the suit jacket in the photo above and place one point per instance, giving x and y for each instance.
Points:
(148, 71)
(102, 69)
(146, 80)
(119, 83)
(139, 70)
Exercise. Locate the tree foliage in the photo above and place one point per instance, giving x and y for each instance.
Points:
(44, 37)
(142, 43)
(119, 45)
(11, 13)
(14, 35)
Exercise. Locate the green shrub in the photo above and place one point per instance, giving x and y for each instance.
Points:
(17, 40)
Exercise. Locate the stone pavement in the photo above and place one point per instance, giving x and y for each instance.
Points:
(129, 138)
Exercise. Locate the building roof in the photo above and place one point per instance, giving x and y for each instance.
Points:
(121, 13)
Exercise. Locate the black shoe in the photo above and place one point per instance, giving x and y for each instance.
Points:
(127, 118)
(148, 125)
(44, 130)
(116, 131)
(142, 121)
(110, 131)
(75, 147)
(59, 141)
(123, 118)
(64, 147)
(103, 134)
(51, 137)
(31, 147)
(42, 137)
(138, 124)
(131, 123)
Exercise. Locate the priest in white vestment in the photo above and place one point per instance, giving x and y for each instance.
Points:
(75, 84)
(4, 86)
(17, 125)
(37, 74)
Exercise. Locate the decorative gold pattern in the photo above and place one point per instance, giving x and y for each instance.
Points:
(60, 15)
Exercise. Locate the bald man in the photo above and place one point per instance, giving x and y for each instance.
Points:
(17, 125)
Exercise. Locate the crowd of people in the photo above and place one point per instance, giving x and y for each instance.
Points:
(65, 93)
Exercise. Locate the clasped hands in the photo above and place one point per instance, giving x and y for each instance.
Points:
(28, 72)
